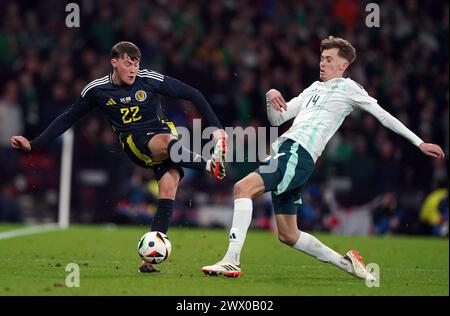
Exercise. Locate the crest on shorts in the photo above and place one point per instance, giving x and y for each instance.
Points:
(140, 95)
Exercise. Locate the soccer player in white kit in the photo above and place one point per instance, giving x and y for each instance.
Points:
(318, 111)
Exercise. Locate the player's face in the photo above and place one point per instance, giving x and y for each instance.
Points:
(125, 69)
(331, 64)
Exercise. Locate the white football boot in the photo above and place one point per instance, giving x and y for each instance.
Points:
(217, 167)
(359, 268)
(223, 268)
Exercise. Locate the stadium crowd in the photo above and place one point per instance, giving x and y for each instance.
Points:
(369, 180)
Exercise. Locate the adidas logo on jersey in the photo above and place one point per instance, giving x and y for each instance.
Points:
(111, 102)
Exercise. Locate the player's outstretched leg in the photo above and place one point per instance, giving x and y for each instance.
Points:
(351, 262)
(289, 234)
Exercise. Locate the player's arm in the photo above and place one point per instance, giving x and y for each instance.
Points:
(278, 111)
(369, 104)
(61, 124)
(176, 89)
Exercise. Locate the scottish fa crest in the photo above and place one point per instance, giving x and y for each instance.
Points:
(140, 95)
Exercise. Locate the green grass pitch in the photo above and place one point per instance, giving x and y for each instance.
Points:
(108, 261)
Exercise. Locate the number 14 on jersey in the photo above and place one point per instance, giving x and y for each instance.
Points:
(314, 98)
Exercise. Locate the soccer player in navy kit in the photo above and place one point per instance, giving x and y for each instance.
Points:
(129, 97)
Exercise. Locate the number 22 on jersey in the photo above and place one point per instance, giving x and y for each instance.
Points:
(130, 114)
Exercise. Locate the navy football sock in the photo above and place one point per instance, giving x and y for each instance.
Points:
(163, 216)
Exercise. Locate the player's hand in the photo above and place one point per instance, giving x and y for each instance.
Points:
(432, 150)
(20, 142)
(219, 133)
(276, 100)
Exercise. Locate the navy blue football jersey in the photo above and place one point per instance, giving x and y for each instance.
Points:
(129, 108)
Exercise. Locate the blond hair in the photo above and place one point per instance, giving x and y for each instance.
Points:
(346, 50)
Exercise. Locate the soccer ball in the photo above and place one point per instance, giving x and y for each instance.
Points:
(154, 247)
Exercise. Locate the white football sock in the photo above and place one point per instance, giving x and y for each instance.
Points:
(242, 218)
(313, 247)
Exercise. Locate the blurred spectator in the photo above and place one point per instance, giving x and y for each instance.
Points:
(434, 213)
(9, 208)
(361, 167)
(388, 170)
(387, 217)
(380, 216)
(56, 105)
(10, 114)
(10, 124)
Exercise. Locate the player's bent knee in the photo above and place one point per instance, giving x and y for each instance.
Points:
(287, 239)
(238, 190)
(241, 190)
(249, 187)
(158, 146)
(167, 138)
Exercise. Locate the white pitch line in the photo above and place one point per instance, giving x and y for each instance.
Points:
(29, 230)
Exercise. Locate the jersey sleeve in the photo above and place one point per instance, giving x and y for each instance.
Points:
(176, 89)
(277, 118)
(62, 123)
(361, 99)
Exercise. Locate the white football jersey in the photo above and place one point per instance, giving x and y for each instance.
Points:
(320, 110)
